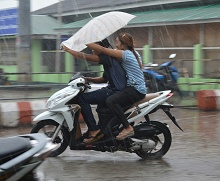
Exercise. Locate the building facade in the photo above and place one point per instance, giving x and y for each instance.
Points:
(187, 28)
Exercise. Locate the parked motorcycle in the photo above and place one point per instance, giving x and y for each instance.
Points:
(164, 77)
(20, 155)
(152, 139)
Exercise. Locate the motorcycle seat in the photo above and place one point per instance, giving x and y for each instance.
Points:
(12, 147)
(147, 97)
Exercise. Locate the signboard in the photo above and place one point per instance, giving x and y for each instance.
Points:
(8, 22)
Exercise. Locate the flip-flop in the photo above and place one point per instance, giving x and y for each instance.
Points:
(92, 139)
(124, 135)
(89, 139)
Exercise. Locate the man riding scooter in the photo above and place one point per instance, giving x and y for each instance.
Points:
(114, 74)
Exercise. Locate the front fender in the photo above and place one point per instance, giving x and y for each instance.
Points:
(49, 115)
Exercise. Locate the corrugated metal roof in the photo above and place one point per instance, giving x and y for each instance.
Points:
(43, 25)
(75, 25)
(201, 14)
(71, 7)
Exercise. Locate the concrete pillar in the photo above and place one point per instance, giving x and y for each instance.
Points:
(23, 41)
(58, 37)
(69, 66)
(36, 59)
(147, 54)
(198, 68)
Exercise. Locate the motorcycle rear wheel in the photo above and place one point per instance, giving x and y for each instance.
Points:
(163, 139)
(48, 127)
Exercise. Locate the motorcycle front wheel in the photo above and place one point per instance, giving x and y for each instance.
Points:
(48, 127)
(163, 141)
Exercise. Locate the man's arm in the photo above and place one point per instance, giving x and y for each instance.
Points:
(81, 55)
(96, 79)
(107, 51)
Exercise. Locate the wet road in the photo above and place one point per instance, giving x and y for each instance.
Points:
(194, 155)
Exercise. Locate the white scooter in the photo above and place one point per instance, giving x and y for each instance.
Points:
(20, 155)
(152, 139)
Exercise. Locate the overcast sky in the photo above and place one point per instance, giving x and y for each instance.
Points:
(35, 4)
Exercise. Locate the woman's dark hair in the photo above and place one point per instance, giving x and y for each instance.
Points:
(127, 40)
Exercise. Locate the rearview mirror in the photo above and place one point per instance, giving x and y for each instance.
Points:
(154, 65)
(172, 55)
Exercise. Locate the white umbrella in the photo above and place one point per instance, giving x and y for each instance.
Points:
(98, 29)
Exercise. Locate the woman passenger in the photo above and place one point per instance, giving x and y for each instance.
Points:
(135, 90)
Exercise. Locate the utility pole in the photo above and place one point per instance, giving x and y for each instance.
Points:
(58, 38)
(23, 41)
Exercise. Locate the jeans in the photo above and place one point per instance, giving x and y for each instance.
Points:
(85, 100)
(126, 97)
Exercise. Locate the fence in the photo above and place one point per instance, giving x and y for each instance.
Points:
(40, 88)
(15, 90)
(209, 79)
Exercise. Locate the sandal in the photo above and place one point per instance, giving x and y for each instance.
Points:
(124, 135)
(91, 139)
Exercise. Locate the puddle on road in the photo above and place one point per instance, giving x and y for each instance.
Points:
(194, 155)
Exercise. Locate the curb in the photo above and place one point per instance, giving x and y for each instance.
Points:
(14, 114)
(208, 100)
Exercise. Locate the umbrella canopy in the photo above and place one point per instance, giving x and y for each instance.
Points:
(98, 29)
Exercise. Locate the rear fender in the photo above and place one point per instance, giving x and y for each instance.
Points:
(173, 119)
(166, 105)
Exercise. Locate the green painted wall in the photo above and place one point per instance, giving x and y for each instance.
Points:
(195, 84)
(185, 84)
(147, 58)
(190, 84)
(38, 68)
(36, 60)
(198, 63)
(10, 69)
(69, 59)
